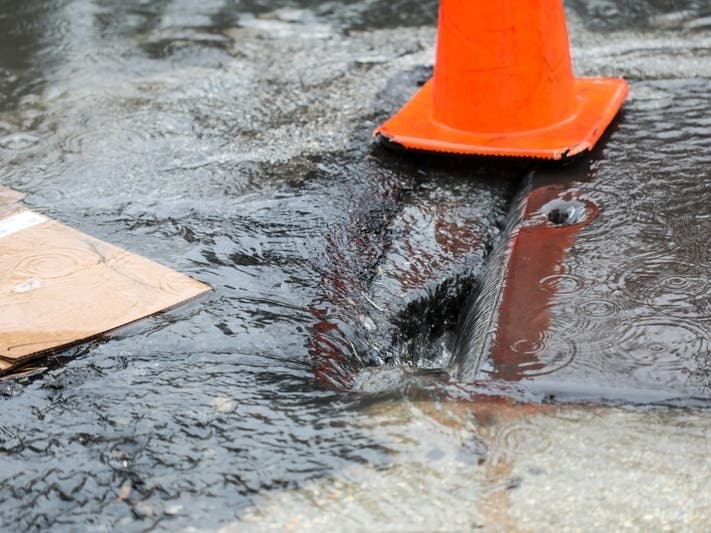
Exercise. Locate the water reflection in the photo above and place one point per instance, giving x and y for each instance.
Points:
(522, 345)
(616, 307)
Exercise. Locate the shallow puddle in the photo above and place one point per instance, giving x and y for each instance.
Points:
(231, 141)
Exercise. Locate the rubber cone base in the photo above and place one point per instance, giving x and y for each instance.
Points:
(599, 101)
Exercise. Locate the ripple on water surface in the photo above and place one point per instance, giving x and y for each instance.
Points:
(231, 142)
(629, 305)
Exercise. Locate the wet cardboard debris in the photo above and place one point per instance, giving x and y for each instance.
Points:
(59, 286)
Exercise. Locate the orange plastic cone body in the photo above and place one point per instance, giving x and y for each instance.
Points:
(503, 85)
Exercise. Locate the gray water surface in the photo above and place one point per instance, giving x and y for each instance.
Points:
(231, 141)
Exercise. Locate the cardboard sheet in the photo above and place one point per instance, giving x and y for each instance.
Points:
(8, 196)
(59, 286)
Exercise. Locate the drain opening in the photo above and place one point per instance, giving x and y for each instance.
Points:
(564, 211)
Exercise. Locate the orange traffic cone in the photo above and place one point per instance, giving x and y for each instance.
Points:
(503, 85)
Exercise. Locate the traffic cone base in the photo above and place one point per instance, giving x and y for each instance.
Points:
(503, 85)
(597, 99)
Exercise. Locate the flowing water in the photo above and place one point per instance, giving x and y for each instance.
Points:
(331, 379)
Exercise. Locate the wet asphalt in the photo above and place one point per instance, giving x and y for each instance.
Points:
(231, 141)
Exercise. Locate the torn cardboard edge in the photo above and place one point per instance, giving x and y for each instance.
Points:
(60, 287)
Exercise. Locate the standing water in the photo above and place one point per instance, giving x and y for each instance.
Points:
(230, 141)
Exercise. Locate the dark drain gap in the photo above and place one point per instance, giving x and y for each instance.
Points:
(426, 326)
(566, 214)
(427, 330)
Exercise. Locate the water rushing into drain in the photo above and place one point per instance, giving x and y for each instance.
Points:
(473, 340)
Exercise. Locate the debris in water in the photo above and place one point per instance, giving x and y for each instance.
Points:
(59, 286)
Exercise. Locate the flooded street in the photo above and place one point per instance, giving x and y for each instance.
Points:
(369, 357)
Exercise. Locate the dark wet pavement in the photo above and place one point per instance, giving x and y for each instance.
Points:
(230, 141)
